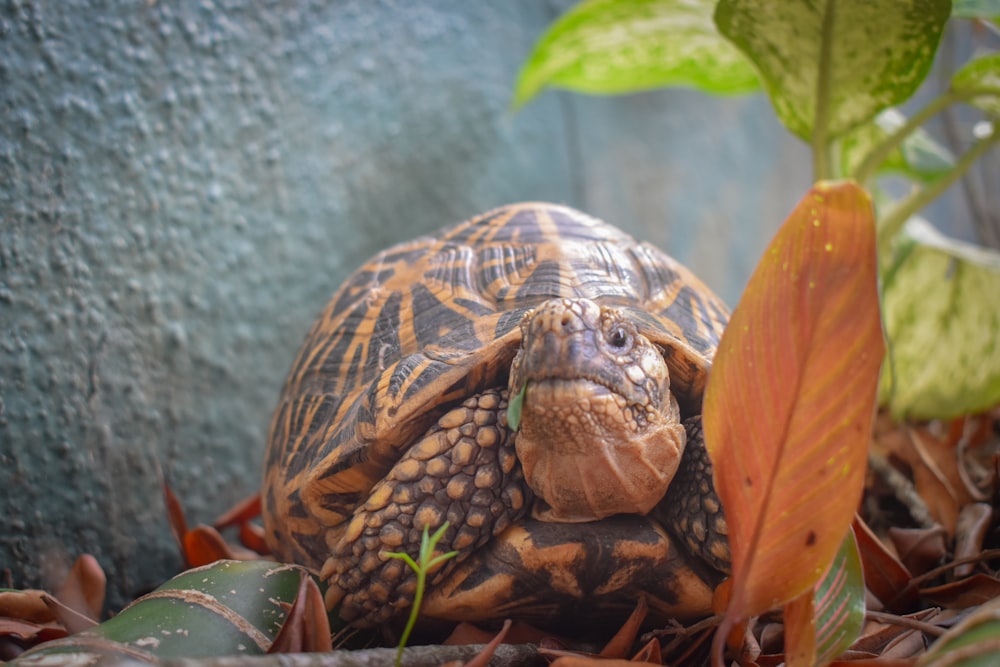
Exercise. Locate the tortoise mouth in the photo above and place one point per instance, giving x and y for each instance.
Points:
(571, 389)
(561, 390)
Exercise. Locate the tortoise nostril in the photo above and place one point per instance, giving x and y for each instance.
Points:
(567, 318)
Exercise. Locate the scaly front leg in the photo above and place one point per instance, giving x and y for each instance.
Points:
(463, 471)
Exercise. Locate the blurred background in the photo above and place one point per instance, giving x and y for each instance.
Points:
(183, 185)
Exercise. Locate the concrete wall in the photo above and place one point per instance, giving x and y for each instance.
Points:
(183, 185)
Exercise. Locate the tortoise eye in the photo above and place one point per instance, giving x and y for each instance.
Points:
(619, 338)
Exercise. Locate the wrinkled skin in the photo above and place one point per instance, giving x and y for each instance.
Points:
(600, 431)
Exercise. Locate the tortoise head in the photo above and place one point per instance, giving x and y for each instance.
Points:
(600, 431)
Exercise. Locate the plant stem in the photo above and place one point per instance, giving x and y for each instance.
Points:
(893, 221)
(424, 564)
(821, 118)
(418, 597)
(866, 170)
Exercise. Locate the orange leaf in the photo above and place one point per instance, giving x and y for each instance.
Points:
(800, 631)
(650, 652)
(240, 513)
(618, 646)
(175, 513)
(204, 545)
(790, 401)
(252, 537)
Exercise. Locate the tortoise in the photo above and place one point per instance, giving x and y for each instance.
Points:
(394, 418)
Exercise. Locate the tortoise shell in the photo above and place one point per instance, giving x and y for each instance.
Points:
(428, 323)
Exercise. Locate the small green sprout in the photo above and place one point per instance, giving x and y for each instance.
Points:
(426, 561)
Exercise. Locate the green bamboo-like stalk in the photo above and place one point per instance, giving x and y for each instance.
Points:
(226, 608)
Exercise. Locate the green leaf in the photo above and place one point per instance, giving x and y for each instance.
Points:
(920, 158)
(839, 602)
(623, 46)
(972, 9)
(975, 642)
(979, 82)
(229, 607)
(941, 316)
(514, 409)
(877, 54)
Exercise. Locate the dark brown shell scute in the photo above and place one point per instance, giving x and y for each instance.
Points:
(696, 315)
(435, 323)
(509, 321)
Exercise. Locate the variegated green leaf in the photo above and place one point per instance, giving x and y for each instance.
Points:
(839, 602)
(942, 316)
(229, 607)
(846, 59)
(622, 46)
(970, 9)
(979, 80)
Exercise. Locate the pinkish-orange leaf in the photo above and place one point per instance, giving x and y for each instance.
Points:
(485, 656)
(84, 588)
(790, 401)
(800, 631)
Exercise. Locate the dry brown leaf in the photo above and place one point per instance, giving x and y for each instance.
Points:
(595, 661)
(919, 549)
(968, 592)
(970, 533)
(934, 463)
(69, 618)
(27, 605)
(306, 628)
(886, 577)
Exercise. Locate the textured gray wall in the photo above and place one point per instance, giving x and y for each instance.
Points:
(183, 185)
